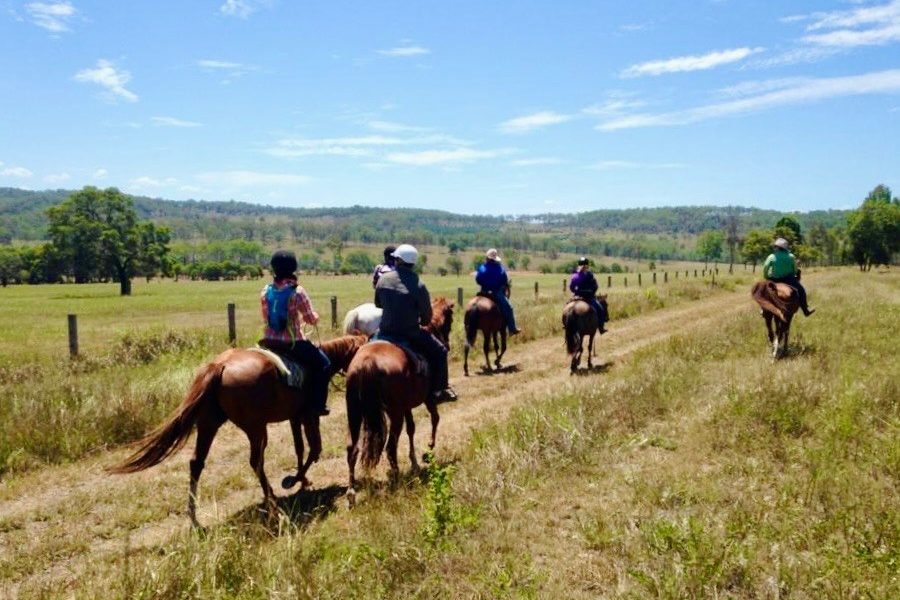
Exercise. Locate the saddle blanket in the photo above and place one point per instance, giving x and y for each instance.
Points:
(292, 373)
(420, 365)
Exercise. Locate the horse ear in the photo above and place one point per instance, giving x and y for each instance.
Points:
(603, 296)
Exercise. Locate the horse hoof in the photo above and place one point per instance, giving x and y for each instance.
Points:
(351, 498)
(305, 483)
(289, 482)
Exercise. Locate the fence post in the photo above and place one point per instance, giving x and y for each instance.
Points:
(654, 277)
(73, 336)
(676, 274)
(459, 298)
(639, 280)
(695, 272)
(609, 281)
(232, 328)
(535, 290)
(334, 312)
(754, 267)
(626, 281)
(564, 286)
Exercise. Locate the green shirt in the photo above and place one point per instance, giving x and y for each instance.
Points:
(780, 263)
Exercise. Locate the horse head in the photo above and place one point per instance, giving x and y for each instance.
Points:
(340, 351)
(441, 319)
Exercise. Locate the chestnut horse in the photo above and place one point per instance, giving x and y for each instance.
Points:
(779, 302)
(382, 381)
(483, 314)
(244, 387)
(579, 319)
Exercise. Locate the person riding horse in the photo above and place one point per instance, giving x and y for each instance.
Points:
(584, 285)
(285, 306)
(781, 267)
(493, 280)
(385, 267)
(406, 305)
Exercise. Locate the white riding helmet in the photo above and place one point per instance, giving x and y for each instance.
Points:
(492, 254)
(781, 243)
(407, 253)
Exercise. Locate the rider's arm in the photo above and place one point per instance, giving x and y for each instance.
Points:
(300, 301)
(480, 275)
(767, 266)
(423, 303)
(264, 305)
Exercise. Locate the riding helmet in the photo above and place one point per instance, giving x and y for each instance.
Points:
(781, 243)
(407, 253)
(583, 261)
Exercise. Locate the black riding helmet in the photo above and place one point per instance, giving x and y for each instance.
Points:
(283, 263)
(583, 261)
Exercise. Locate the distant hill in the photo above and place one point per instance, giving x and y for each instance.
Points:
(662, 232)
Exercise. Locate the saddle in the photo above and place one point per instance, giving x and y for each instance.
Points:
(291, 373)
(420, 365)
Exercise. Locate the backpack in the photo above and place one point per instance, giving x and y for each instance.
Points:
(278, 302)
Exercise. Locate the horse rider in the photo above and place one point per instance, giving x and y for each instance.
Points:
(583, 285)
(285, 307)
(406, 306)
(781, 267)
(494, 281)
(387, 265)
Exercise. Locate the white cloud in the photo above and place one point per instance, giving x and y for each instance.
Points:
(533, 121)
(831, 32)
(100, 174)
(749, 88)
(173, 122)
(17, 172)
(403, 51)
(849, 38)
(614, 165)
(365, 145)
(536, 162)
(392, 127)
(146, 182)
(615, 105)
(251, 178)
(52, 16)
(809, 90)
(109, 77)
(682, 64)
(865, 15)
(441, 157)
(56, 178)
(208, 63)
(238, 8)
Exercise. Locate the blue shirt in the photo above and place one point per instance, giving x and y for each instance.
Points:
(491, 276)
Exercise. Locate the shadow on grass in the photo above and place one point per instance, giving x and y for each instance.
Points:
(300, 508)
(595, 370)
(504, 370)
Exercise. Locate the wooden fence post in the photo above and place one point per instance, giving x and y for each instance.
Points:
(754, 267)
(564, 286)
(654, 277)
(535, 290)
(232, 328)
(666, 276)
(459, 298)
(609, 281)
(334, 312)
(626, 281)
(639, 280)
(695, 272)
(73, 336)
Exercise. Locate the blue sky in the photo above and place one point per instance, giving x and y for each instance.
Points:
(469, 106)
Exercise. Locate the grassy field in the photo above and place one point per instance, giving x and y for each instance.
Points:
(696, 468)
(139, 352)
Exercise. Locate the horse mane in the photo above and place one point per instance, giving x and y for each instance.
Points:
(766, 295)
(344, 347)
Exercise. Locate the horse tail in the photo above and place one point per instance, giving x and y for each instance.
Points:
(373, 421)
(168, 438)
(350, 322)
(570, 323)
(766, 295)
(470, 320)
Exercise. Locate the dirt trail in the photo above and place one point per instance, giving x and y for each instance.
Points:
(70, 516)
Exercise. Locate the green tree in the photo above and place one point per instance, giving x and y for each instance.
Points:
(10, 265)
(154, 258)
(97, 233)
(357, 262)
(789, 228)
(873, 231)
(757, 246)
(455, 264)
(709, 245)
(525, 261)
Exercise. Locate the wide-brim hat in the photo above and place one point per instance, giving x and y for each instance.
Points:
(492, 254)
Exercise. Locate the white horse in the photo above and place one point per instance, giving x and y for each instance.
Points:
(365, 318)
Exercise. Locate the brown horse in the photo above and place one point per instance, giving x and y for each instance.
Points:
(483, 314)
(579, 319)
(244, 387)
(382, 381)
(779, 302)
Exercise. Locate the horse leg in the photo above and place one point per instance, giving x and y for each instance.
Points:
(487, 348)
(207, 427)
(411, 433)
(297, 433)
(466, 359)
(354, 423)
(435, 419)
(591, 351)
(502, 346)
(259, 438)
(393, 438)
(314, 439)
